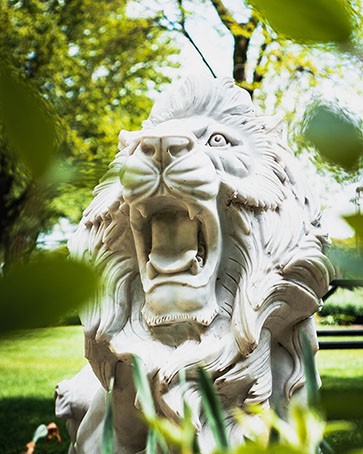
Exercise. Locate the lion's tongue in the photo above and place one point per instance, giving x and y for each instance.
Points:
(174, 242)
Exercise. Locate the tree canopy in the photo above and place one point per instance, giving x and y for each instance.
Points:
(95, 67)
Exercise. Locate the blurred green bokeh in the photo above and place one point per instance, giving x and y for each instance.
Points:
(38, 293)
(308, 21)
(336, 136)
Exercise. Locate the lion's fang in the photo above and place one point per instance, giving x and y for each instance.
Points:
(192, 212)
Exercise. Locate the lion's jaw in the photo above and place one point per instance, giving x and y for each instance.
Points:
(171, 187)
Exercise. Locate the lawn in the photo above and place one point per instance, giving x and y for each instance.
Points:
(31, 364)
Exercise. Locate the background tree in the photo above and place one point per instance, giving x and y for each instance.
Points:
(257, 50)
(95, 66)
(313, 47)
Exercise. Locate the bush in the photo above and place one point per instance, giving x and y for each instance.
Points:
(345, 307)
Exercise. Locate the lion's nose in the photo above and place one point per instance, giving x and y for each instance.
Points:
(163, 150)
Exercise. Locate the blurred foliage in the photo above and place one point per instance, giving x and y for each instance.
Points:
(338, 139)
(72, 74)
(348, 262)
(26, 120)
(356, 222)
(213, 409)
(302, 433)
(343, 307)
(36, 294)
(308, 21)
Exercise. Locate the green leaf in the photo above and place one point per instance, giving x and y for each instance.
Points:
(169, 430)
(213, 409)
(356, 222)
(27, 121)
(151, 442)
(40, 432)
(308, 21)
(335, 136)
(143, 388)
(338, 426)
(107, 434)
(312, 387)
(38, 293)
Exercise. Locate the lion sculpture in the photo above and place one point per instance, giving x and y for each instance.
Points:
(209, 242)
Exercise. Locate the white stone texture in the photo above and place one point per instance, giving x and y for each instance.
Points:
(209, 241)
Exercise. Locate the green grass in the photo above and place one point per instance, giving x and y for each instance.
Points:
(32, 363)
(341, 373)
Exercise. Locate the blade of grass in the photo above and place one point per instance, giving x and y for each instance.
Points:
(151, 442)
(147, 403)
(143, 388)
(213, 410)
(312, 387)
(107, 435)
(326, 448)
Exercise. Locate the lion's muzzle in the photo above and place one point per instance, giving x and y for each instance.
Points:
(171, 187)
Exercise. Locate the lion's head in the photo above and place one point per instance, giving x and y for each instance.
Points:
(210, 244)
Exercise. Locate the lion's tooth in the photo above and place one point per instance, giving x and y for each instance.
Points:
(194, 268)
(193, 211)
(151, 271)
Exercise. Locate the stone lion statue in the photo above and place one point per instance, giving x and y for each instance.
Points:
(209, 243)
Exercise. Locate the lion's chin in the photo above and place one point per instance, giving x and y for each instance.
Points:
(173, 303)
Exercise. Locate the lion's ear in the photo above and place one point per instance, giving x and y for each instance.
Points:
(274, 124)
(127, 138)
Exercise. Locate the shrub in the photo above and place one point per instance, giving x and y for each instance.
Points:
(344, 307)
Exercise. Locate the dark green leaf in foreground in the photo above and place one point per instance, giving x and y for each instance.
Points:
(28, 124)
(213, 410)
(38, 293)
(335, 136)
(312, 387)
(107, 435)
(308, 21)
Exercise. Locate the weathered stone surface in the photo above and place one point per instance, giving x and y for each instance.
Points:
(210, 242)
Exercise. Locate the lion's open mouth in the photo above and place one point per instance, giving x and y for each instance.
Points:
(171, 239)
(176, 244)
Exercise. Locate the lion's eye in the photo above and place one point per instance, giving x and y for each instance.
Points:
(218, 140)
